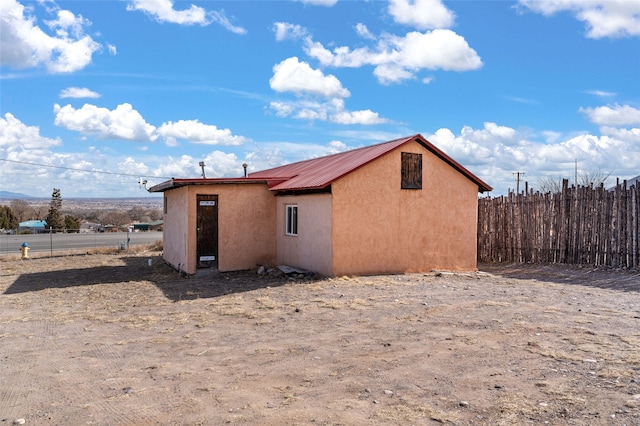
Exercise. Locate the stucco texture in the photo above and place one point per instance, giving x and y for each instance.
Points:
(175, 250)
(246, 226)
(311, 248)
(377, 227)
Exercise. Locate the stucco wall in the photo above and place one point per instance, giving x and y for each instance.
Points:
(311, 248)
(246, 226)
(379, 228)
(174, 236)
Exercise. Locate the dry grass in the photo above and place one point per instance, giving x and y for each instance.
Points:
(152, 248)
(490, 348)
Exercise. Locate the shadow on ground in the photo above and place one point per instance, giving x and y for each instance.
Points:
(69, 272)
(607, 278)
(175, 286)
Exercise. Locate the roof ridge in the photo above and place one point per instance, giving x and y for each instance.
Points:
(349, 151)
(320, 172)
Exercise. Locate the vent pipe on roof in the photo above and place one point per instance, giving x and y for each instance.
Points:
(244, 166)
(201, 164)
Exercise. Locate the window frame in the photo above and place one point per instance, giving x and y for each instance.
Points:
(291, 220)
(411, 171)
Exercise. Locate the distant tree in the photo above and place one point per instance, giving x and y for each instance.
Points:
(37, 212)
(91, 215)
(71, 224)
(138, 214)
(116, 218)
(8, 220)
(22, 210)
(553, 184)
(55, 220)
(155, 215)
(593, 178)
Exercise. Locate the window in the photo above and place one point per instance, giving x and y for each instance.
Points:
(411, 171)
(292, 220)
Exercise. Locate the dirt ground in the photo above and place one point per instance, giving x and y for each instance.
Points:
(106, 339)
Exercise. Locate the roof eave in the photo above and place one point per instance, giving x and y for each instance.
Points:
(482, 186)
(178, 183)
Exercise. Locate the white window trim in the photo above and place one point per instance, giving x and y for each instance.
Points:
(289, 227)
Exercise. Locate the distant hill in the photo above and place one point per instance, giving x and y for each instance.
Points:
(14, 195)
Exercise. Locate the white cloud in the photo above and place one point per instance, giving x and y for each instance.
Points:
(220, 17)
(20, 144)
(283, 109)
(333, 111)
(183, 166)
(398, 58)
(28, 153)
(337, 146)
(112, 49)
(66, 23)
(521, 100)
(342, 116)
(273, 154)
(17, 136)
(421, 14)
(551, 136)
(217, 164)
(602, 93)
(326, 3)
(222, 164)
(303, 110)
(78, 92)
(197, 132)
(287, 31)
(629, 136)
(163, 11)
(604, 18)
(366, 117)
(23, 44)
(299, 78)
(617, 115)
(495, 153)
(124, 122)
(363, 31)
(130, 166)
(291, 75)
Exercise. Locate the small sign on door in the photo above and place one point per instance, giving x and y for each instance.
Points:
(207, 258)
(207, 203)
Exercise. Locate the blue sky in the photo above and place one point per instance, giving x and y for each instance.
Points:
(95, 95)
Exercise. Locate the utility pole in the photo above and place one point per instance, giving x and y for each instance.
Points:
(518, 176)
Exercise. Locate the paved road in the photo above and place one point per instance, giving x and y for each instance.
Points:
(41, 243)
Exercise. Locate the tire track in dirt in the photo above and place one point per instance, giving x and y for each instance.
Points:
(14, 387)
(78, 381)
(101, 397)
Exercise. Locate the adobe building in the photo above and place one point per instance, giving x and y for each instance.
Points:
(399, 206)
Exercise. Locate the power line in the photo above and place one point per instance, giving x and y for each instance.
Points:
(83, 170)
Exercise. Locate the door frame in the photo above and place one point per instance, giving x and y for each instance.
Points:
(206, 231)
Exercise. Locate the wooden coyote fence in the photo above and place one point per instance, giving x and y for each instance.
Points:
(582, 225)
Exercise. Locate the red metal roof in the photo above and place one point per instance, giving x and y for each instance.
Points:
(320, 172)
